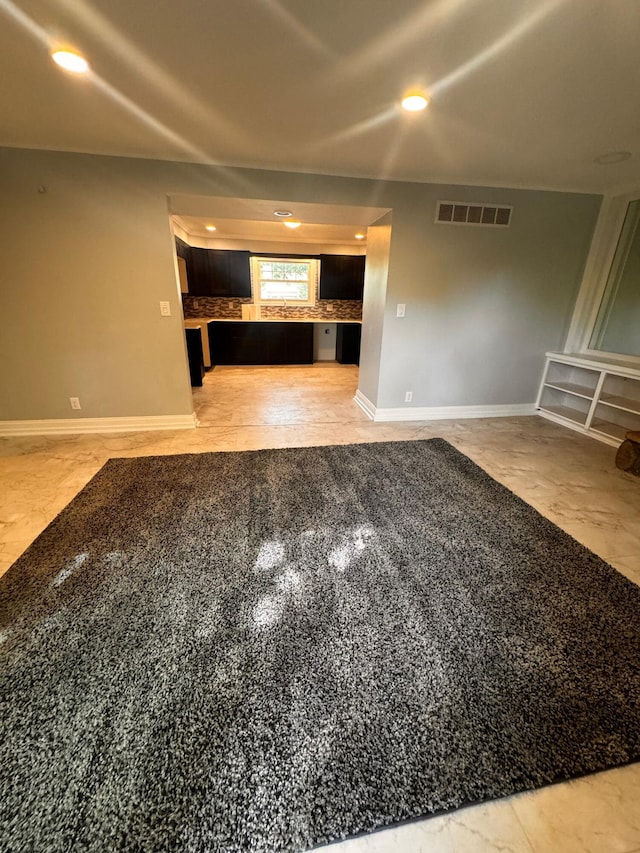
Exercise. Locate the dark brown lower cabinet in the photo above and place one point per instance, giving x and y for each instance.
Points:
(348, 337)
(194, 353)
(261, 343)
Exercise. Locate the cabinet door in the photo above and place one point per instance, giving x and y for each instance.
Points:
(348, 343)
(341, 276)
(239, 274)
(239, 343)
(299, 343)
(218, 272)
(288, 343)
(261, 343)
(250, 344)
(217, 261)
(198, 272)
(194, 353)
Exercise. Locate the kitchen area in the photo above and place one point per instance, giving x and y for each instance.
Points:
(288, 293)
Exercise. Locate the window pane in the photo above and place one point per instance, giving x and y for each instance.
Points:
(284, 290)
(284, 279)
(281, 270)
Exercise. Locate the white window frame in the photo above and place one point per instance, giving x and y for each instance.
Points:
(314, 264)
(594, 282)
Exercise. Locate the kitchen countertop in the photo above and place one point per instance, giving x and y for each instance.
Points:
(269, 320)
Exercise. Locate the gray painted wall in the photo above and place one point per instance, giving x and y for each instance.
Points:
(373, 307)
(482, 304)
(86, 263)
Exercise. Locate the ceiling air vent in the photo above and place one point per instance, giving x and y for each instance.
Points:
(485, 215)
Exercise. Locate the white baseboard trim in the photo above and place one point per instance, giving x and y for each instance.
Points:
(68, 426)
(365, 404)
(454, 413)
(440, 413)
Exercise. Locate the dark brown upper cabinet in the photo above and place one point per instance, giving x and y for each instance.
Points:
(216, 272)
(341, 276)
(182, 249)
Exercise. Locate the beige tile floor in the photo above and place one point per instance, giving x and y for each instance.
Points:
(569, 478)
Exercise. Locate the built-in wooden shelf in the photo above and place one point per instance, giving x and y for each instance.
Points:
(572, 388)
(609, 430)
(597, 397)
(566, 412)
(623, 403)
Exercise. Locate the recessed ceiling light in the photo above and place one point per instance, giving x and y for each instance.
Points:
(611, 157)
(292, 224)
(70, 61)
(282, 213)
(414, 102)
(359, 236)
(210, 227)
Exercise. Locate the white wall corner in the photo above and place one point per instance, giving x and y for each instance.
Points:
(69, 426)
(365, 404)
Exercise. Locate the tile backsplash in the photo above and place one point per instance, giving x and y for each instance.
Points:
(213, 306)
(229, 308)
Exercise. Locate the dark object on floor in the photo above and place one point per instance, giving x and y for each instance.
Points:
(262, 651)
(628, 455)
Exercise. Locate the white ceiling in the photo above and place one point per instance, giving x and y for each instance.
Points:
(254, 219)
(221, 207)
(524, 92)
(273, 232)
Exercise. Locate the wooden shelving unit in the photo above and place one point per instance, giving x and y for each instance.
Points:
(593, 396)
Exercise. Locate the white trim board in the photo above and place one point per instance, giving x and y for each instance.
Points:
(598, 265)
(441, 413)
(68, 426)
(589, 433)
(365, 404)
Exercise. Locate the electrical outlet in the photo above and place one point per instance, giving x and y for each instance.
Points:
(408, 396)
(165, 309)
(401, 308)
(75, 402)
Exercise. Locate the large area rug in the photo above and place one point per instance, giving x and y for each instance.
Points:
(267, 650)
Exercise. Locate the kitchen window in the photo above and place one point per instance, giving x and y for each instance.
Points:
(284, 281)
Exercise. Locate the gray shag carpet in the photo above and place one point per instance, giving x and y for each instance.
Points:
(267, 650)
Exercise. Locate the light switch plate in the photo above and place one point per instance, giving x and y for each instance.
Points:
(401, 308)
(165, 309)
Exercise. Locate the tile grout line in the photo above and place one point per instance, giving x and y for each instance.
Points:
(522, 827)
